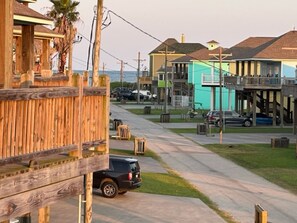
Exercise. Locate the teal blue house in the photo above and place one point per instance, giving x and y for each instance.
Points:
(203, 75)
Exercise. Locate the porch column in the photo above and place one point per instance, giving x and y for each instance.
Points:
(295, 117)
(229, 99)
(241, 103)
(254, 107)
(248, 99)
(6, 30)
(236, 101)
(274, 109)
(212, 89)
(18, 55)
(255, 68)
(27, 77)
(289, 109)
(281, 110)
(267, 102)
(45, 57)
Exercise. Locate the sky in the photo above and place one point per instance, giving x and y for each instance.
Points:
(225, 21)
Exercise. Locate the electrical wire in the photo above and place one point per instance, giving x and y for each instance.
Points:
(155, 38)
(101, 49)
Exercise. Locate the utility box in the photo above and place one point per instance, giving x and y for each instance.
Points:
(139, 145)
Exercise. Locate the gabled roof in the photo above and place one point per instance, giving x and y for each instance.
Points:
(205, 54)
(183, 59)
(176, 47)
(282, 47)
(40, 32)
(23, 15)
(202, 54)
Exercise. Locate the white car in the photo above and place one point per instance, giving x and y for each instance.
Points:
(147, 94)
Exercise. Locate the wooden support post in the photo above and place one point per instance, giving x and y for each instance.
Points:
(104, 81)
(27, 77)
(281, 109)
(88, 192)
(45, 57)
(6, 30)
(18, 59)
(274, 109)
(295, 117)
(254, 107)
(267, 102)
(260, 214)
(44, 215)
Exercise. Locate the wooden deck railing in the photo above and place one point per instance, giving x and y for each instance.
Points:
(249, 81)
(40, 119)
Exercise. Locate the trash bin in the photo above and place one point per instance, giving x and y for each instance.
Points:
(147, 110)
(282, 142)
(201, 129)
(165, 117)
(116, 123)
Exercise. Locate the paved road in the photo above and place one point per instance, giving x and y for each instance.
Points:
(136, 207)
(233, 188)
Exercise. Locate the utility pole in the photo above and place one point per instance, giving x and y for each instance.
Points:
(166, 78)
(122, 73)
(91, 36)
(138, 75)
(95, 82)
(97, 43)
(220, 57)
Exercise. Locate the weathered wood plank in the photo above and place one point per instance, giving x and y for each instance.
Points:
(44, 215)
(24, 128)
(23, 203)
(19, 128)
(44, 93)
(57, 150)
(5, 130)
(49, 175)
(1, 128)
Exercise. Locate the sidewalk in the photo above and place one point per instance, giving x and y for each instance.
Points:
(233, 188)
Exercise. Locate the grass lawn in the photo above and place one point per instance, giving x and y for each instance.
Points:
(138, 111)
(278, 165)
(257, 129)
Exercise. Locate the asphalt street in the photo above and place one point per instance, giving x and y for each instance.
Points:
(232, 187)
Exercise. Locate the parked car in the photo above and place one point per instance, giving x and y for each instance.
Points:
(229, 118)
(122, 175)
(123, 94)
(146, 94)
(263, 119)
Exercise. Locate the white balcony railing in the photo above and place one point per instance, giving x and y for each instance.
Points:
(211, 79)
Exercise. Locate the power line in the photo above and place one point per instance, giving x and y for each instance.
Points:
(155, 38)
(118, 59)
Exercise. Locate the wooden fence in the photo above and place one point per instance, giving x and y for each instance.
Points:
(40, 119)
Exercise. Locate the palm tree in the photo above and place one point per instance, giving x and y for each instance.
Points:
(64, 14)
